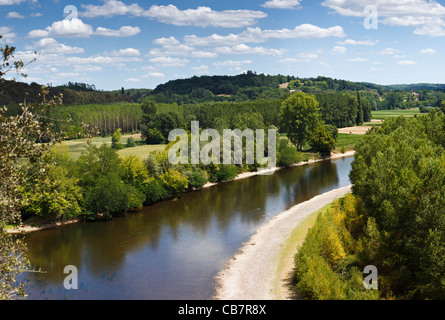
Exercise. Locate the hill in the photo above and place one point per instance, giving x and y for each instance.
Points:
(12, 93)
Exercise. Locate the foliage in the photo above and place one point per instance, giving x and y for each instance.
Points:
(329, 264)
(116, 140)
(154, 191)
(19, 152)
(399, 174)
(174, 182)
(287, 154)
(131, 143)
(298, 116)
(321, 140)
(197, 179)
(226, 173)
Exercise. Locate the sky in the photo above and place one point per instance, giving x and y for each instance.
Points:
(141, 44)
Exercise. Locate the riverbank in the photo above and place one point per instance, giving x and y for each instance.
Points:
(257, 271)
(246, 175)
(25, 228)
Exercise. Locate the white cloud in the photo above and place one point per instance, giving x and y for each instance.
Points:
(169, 62)
(407, 63)
(203, 69)
(428, 51)
(358, 59)
(87, 68)
(10, 2)
(245, 49)
(50, 45)
(357, 43)
(154, 74)
(14, 15)
(76, 28)
(426, 16)
(288, 60)
(7, 34)
(256, 35)
(339, 50)
(132, 80)
(125, 31)
(282, 4)
(231, 63)
(172, 47)
(170, 14)
(204, 16)
(308, 55)
(388, 51)
(111, 8)
(129, 52)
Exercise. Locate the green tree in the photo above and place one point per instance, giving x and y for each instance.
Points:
(149, 113)
(299, 115)
(19, 152)
(116, 140)
(321, 140)
(287, 154)
(359, 119)
(174, 182)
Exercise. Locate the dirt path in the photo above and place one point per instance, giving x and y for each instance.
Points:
(253, 273)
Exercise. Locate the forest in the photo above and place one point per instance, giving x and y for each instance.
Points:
(393, 220)
(45, 182)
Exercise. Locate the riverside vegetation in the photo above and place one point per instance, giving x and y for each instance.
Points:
(394, 219)
(41, 180)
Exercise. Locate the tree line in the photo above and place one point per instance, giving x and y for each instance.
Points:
(394, 219)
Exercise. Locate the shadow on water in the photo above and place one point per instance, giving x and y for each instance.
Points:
(171, 250)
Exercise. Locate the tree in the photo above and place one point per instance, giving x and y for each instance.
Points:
(359, 119)
(149, 112)
(18, 153)
(287, 154)
(116, 140)
(299, 115)
(321, 140)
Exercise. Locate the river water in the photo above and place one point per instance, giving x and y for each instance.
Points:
(174, 249)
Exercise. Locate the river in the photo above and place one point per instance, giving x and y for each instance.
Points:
(174, 249)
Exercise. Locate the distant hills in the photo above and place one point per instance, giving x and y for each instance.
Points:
(243, 87)
(13, 93)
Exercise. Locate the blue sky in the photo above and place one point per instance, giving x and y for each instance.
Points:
(140, 44)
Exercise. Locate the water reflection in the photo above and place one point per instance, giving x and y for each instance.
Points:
(171, 250)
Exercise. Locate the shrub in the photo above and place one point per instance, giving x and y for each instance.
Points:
(116, 140)
(174, 182)
(226, 173)
(130, 143)
(197, 179)
(154, 190)
(287, 154)
(321, 140)
(154, 136)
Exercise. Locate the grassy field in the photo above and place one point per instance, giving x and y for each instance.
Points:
(347, 141)
(76, 147)
(141, 151)
(387, 114)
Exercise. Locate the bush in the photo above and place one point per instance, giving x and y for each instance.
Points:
(154, 136)
(174, 182)
(154, 190)
(226, 173)
(111, 195)
(130, 143)
(197, 179)
(329, 263)
(116, 140)
(321, 140)
(287, 154)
